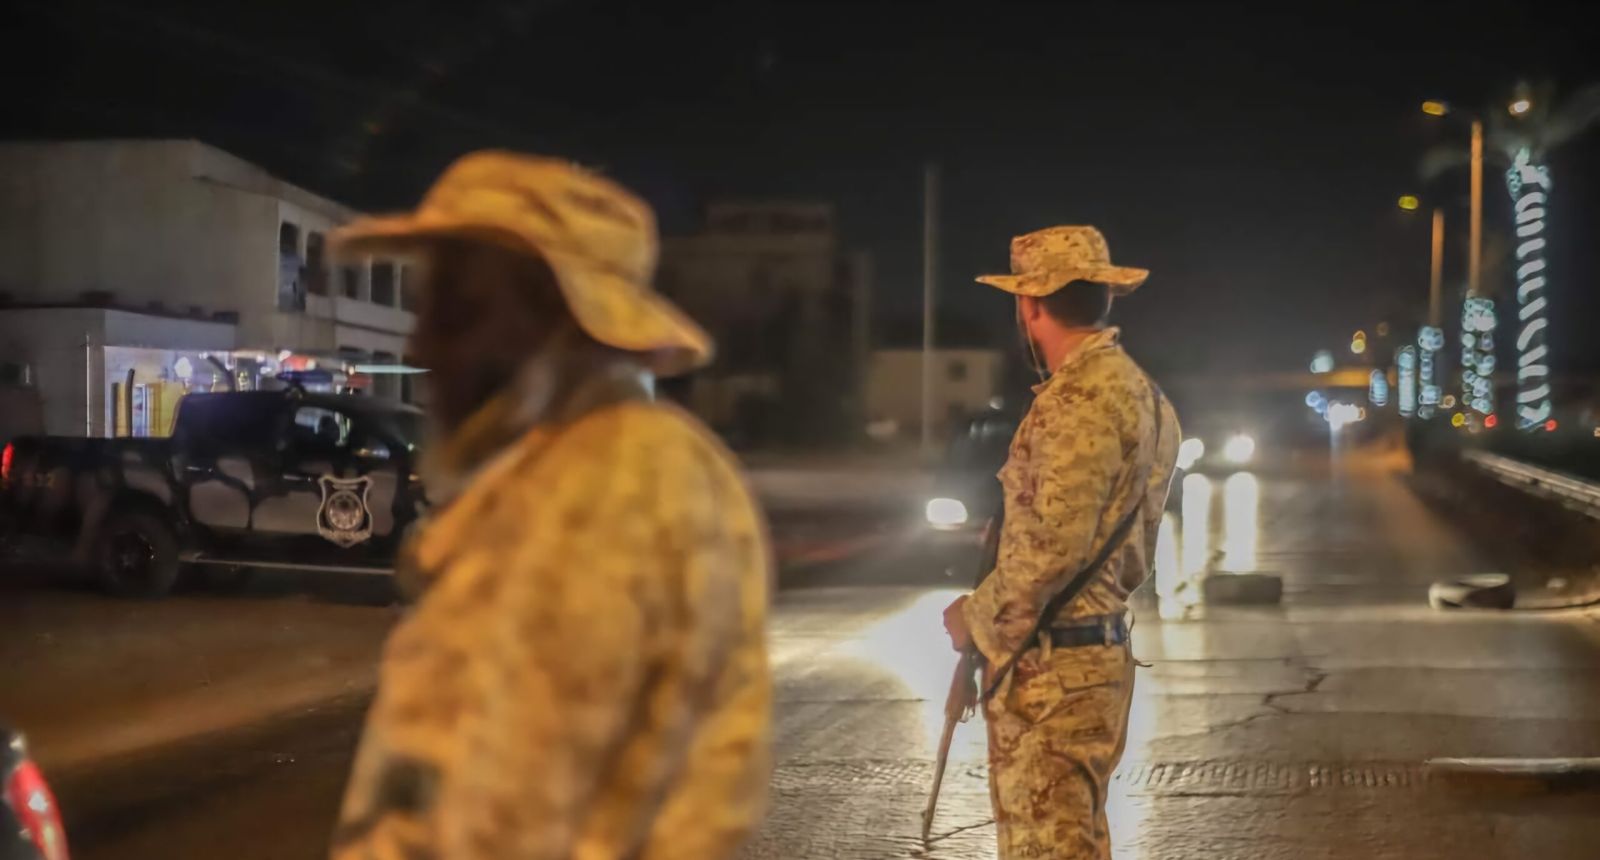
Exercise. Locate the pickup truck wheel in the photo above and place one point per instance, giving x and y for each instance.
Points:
(138, 555)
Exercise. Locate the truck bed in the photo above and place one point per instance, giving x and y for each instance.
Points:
(52, 482)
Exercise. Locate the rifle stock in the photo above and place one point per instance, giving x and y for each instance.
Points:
(962, 700)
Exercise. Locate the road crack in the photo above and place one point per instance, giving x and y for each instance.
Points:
(1313, 682)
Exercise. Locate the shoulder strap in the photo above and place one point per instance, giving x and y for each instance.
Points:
(1081, 580)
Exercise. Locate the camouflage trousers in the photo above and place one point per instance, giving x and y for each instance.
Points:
(1056, 733)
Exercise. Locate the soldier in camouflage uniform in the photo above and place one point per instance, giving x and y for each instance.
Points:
(583, 674)
(1098, 446)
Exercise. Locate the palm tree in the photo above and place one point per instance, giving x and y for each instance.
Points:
(1520, 139)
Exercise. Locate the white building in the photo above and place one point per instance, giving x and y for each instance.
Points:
(105, 372)
(964, 381)
(179, 232)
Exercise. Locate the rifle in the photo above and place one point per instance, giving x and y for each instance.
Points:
(962, 700)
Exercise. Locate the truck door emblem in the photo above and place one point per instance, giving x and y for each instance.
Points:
(343, 517)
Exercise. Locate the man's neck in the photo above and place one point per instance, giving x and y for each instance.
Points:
(1065, 340)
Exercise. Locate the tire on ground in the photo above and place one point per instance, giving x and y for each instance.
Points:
(136, 554)
(1477, 591)
(1242, 589)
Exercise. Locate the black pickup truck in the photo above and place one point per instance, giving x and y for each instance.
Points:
(248, 479)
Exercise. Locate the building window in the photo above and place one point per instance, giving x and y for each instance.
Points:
(956, 371)
(350, 281)
(408, 288)
(291, 284)
(316, 270)
(383, 284)
(288, 239)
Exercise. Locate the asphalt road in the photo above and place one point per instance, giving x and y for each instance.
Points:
(1292, 731)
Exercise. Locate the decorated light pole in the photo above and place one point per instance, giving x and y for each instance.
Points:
(1477, 312)
(1529, 184)
(1521, 138)
(1532, 126)
(1419, 391)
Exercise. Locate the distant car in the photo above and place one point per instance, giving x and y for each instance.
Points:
(248, 479)
(1220, 449)
(30, 821)
(966, 491)
(1258, 432)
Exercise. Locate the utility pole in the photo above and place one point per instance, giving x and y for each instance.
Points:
(930, 259)
(1475, 230)
(861, 330)
(88, 386)
(1436, 268)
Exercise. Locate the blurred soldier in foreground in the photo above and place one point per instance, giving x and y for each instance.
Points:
(1084, 487)
(584, 673)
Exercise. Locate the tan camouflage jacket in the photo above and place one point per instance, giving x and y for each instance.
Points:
(1081, 457)
(585, 675)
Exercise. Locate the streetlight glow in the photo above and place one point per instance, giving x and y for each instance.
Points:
(1239, 448)
(1342, 414)
(1435, 108)
(1190, 452)
(1520, 107)
(1409, 202)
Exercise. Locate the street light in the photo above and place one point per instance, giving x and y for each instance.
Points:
(1410, 203)
(1475, 223)
(1529, 184)
(1521, 100)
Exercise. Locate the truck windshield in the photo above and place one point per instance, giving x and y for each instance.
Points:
(336, 425)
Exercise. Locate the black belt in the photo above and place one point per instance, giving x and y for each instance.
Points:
(1094, 630)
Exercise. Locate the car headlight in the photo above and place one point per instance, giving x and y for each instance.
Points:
(946, 513)
(1190, 452)
(1239, 448)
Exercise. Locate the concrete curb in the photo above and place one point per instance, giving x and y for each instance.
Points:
(1241, 589)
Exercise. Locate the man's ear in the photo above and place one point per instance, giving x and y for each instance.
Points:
(1028, 308)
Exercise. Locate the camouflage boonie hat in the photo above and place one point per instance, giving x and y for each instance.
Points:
(597, 237)
(1047, 260)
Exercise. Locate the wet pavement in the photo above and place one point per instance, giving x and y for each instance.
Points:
(1296, 731)
(1293, 731)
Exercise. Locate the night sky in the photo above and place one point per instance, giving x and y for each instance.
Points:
(1249, 156)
